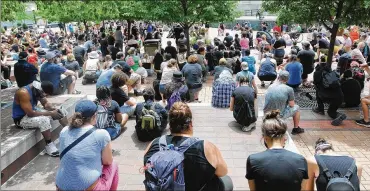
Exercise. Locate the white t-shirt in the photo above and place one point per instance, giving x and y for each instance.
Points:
(167, 75)
(348, 42)
(92, 64)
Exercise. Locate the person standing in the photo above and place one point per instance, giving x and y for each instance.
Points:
(118, 36)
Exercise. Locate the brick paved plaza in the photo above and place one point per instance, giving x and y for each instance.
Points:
(219, 127)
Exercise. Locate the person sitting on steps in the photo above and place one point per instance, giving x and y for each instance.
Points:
(27, 116)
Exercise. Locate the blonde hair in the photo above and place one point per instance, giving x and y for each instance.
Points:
(193, 59)
(70, 57)
(108, 58)
(222, 62)
(263, 37)
(171, 63)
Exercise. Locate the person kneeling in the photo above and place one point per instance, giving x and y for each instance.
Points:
(109, 115)
(204, 168)
(242, 105)
(151, 117)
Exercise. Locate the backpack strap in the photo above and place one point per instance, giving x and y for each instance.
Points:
(324, 167)
(162, 143)
(184, 146)
(351, 170)
(76, 142)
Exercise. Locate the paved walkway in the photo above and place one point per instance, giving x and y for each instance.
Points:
(219, 127)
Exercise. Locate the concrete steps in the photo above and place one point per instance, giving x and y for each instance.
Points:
(18, 146)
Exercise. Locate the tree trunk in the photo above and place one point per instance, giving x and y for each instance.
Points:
(85, 24)
(128, 29)
(333, 31)
(187, 36)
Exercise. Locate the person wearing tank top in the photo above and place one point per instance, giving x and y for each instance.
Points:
(333, 162)
(205, 168)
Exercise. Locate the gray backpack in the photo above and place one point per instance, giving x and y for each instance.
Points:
(339, 182)
(164, 170)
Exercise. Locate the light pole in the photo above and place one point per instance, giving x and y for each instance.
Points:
(34, 14)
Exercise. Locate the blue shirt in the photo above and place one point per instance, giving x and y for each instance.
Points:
(192, 73)
(221, 94)
(251, 63)
(295, 70)
(105, 78)
(82, 165)
(51, 72)
(43, 43)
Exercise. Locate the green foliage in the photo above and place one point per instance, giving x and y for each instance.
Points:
(188, 12)
(10, 9)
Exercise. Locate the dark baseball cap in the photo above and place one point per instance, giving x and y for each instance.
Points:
(23, 55)
(87, 108)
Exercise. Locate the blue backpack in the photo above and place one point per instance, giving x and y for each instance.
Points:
(164, 170)
(175, 97)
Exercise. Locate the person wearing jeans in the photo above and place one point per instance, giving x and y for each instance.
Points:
(90, 160)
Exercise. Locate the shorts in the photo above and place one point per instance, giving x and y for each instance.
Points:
(40, 122)
(114, 131)
(134, 80)
(63, 85)
(162, 88)
(129, 110)
(289, 111)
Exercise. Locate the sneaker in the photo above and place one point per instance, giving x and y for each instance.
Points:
(52, 150)
(297, 131)
(362, 122)
(249, 128)
(263, 85)
(337, 121)
(318, 111)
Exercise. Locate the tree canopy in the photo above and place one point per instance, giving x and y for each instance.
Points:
(330, 13)
(10, 10)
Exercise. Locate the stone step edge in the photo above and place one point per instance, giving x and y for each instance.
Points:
(13, 148)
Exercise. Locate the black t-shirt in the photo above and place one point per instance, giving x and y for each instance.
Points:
(171, 50)
(323, 44)
(279, 43)
(228, 39)
(79, 52)
(277, 169)
(307, 58)
(351, 89)
(113, 52)
(104, 46)
(240, 94)
(119, 96)
(197, 170)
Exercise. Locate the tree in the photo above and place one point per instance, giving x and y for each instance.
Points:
(10, 9)
(330, 13)
(189, 12)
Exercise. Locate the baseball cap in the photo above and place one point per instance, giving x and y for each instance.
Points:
(244, 65)
(87, 108)
(23, 55)
(50, 55)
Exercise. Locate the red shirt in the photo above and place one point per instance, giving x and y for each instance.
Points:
(277, 28)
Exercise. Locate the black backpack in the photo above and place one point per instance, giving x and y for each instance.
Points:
(339, 182)
(330, 79)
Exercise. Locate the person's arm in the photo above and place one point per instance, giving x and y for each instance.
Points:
(215, 158)
(232, 100)
(131, 102)
(69, 73)
(117, 112)
(107, 156)
(252, 185)
(24, 102)
(255, 86)
(310, 182)
(47, 105)
(140, 63)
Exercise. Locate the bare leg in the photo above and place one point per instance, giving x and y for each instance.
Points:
(124, 120)
(365, 109)
(47, 135)
(71, 87)
(296, 118)
(367, 69)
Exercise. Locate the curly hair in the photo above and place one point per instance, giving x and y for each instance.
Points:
(193, 59)
(119, 79)
(273, 126)
(180, 117)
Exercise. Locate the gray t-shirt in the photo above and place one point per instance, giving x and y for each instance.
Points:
(192, 73)
(278, 97)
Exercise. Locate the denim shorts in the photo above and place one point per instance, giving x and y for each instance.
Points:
(162, 88)
(114, 131)
(289, 111)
